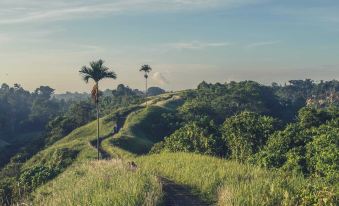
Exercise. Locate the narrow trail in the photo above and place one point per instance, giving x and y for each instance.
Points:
(174, 194)
(179, 195)
(103, 154)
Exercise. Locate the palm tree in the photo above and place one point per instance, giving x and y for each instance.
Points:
(147, 69)
(97, 71)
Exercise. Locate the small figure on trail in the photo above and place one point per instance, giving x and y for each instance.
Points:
(132, 166)
(115, 130)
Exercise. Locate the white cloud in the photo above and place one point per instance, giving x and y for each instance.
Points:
(24, 11)
(196, 45)
(159, 78)
(261, 44)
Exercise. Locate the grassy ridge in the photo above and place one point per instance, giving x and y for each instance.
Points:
(109, 182)
(146, 127)
(77, 141)
(100, 183)
(91, 183)
(225, 182)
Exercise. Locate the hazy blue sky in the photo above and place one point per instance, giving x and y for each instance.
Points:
(45, 42)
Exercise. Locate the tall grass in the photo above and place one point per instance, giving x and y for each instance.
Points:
(147, 126)
(78, 140)
(100, 183)
(225, 182)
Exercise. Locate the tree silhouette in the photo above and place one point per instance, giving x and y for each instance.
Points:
(97, 71)
(146, 69)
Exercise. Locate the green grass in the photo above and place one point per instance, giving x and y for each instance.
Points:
(224, 182)
(216, 180)
(145, 127)
(134, 134)
(77, 141)
(100, 183)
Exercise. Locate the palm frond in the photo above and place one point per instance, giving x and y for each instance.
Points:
(111, 75)
(86, 73)
(97, 71)
(145, 68)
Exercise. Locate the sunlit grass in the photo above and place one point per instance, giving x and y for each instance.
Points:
(78, 140)
(224, 182)
(100, 183)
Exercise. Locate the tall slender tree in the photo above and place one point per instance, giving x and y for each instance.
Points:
(146, 69)
(97, 71)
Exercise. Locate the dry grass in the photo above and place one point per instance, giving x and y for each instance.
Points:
(100, 183)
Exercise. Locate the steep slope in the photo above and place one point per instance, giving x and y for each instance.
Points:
(72, 150)
(79, 144)
(145, 127)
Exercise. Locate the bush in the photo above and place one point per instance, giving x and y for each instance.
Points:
(246, 133)
(192, 138)
(41, 173)
(318, 193)
(36, 176)
(323, 153)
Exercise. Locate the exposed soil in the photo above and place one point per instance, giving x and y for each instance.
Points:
(179, 195)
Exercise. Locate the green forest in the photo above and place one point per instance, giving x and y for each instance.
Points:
(233, 143)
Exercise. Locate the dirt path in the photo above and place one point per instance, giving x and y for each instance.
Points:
(179, 195)
(103, 153)
(175, 194)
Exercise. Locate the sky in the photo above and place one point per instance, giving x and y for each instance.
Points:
(44, 42)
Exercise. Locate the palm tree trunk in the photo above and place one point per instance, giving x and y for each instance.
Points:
(146, 92)
(98, 133)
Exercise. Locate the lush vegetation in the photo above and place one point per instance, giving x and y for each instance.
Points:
(23, 118)
(266, 127)
(253, 145)
(28, 168)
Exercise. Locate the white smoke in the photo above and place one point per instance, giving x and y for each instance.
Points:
(159, 78)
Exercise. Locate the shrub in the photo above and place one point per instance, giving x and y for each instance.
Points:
(36, 176)
(41, 173)
(323, 153)
(191, 138)
(246, 133)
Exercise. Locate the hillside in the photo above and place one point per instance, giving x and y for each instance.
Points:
(184, 145)
(143, 128)
(100, 183)
(215, 180)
